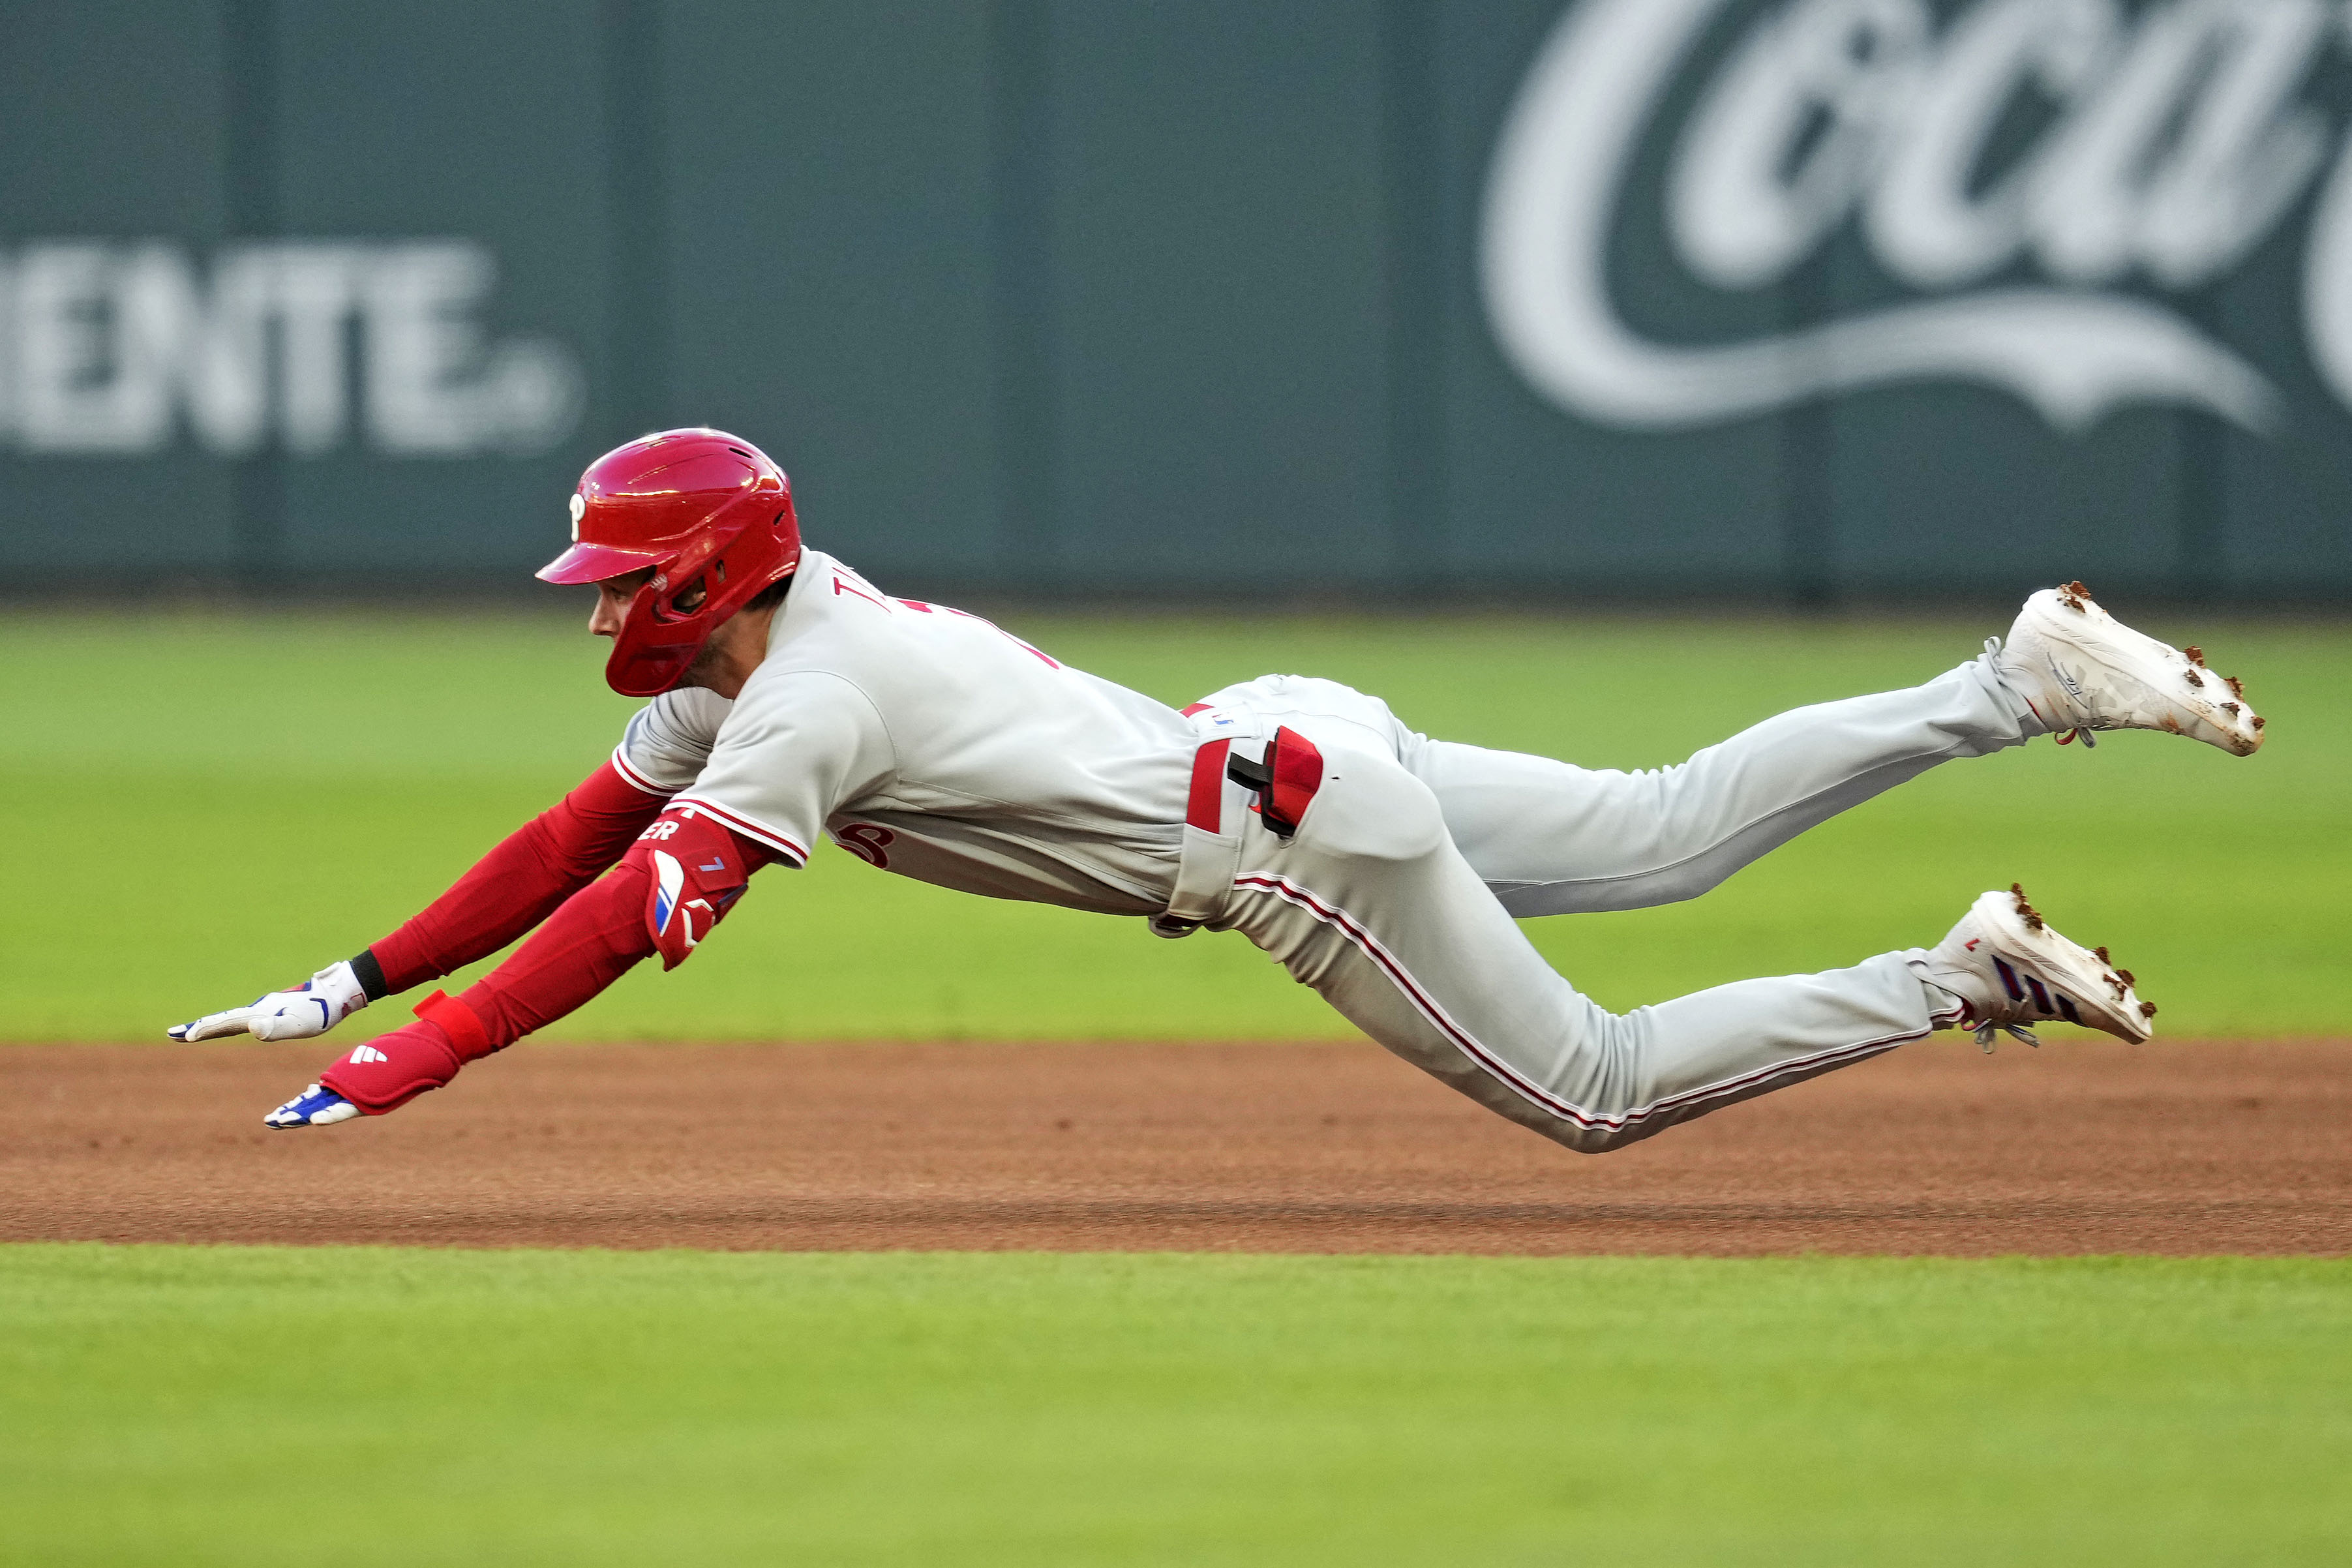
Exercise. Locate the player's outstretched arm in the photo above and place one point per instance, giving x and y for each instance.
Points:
(673, 886)
(510, 890)
(297, 1013)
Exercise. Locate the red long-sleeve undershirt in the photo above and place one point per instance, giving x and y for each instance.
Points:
(596, 930)
(593, 939)
(590, 941)
(518, 884)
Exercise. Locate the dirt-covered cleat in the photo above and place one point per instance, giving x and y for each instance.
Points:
(314, 1107)
(2081, 671)
(2006, 969)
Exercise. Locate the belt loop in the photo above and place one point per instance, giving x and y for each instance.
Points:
(1204, 806)
(1212, 854)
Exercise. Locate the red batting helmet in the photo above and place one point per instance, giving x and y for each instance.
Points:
(710, 513)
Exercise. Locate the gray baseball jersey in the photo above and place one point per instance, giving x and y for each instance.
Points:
(927, 742)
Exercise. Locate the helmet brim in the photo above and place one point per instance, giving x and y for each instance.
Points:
(595, 562)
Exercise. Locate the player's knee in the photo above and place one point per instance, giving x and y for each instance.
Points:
(1677, 884)
(1608, 1141)
(1580, 1138)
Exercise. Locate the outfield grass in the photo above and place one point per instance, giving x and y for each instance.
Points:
(214, 806)
(180, 1407)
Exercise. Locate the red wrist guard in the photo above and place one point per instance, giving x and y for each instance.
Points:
(457, 1021)
(391, 1069)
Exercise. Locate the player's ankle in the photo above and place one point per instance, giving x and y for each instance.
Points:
(2012, 688)
(1955, 995)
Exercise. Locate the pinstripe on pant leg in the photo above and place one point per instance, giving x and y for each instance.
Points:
(1373, 906)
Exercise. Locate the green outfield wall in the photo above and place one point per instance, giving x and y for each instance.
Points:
(1813, 300)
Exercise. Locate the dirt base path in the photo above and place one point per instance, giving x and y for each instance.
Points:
(2082, 1147)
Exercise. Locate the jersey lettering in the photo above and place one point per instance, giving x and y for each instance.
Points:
(868, 842)
(1033, 651)
(841, 584)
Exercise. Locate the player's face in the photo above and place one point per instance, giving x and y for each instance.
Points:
(613, 596)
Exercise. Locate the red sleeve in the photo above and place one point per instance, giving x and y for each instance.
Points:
(515, 886)
(597, 935)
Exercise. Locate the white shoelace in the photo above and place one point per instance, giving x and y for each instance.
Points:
(1985, 1033)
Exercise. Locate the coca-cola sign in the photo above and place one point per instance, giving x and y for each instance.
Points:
(2176, 139)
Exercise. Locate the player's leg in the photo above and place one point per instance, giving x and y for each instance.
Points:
(1551, 838)
(1373, 906)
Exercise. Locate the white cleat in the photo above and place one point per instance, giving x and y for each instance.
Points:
(2083, 669)
(2007, 969)
(314, 1107)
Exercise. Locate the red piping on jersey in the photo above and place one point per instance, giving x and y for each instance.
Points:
(622, 766)
(1740, 1086)
(743, 827)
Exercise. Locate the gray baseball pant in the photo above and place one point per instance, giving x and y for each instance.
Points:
(1394, 899)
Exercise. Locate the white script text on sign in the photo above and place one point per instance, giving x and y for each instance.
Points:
(2177, 140)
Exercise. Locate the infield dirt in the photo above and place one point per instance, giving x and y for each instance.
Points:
(2082, 1147)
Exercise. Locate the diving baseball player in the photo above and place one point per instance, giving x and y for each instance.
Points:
(793, 698)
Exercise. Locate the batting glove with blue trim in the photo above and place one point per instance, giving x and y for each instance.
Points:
(311, 1008)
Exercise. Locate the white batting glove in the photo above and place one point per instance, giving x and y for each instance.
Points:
(313, 1007)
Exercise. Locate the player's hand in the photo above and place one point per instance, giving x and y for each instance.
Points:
(313, 1007)
(314, 1107)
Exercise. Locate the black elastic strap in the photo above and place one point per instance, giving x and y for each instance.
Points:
(1258, 778)
(369, 974)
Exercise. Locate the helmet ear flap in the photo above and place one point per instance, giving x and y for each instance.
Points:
(654, 648)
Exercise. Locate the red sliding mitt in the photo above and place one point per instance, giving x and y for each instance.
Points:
(391, 1069)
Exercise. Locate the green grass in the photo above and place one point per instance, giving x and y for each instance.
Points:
(251, 1406)
(209, 807)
